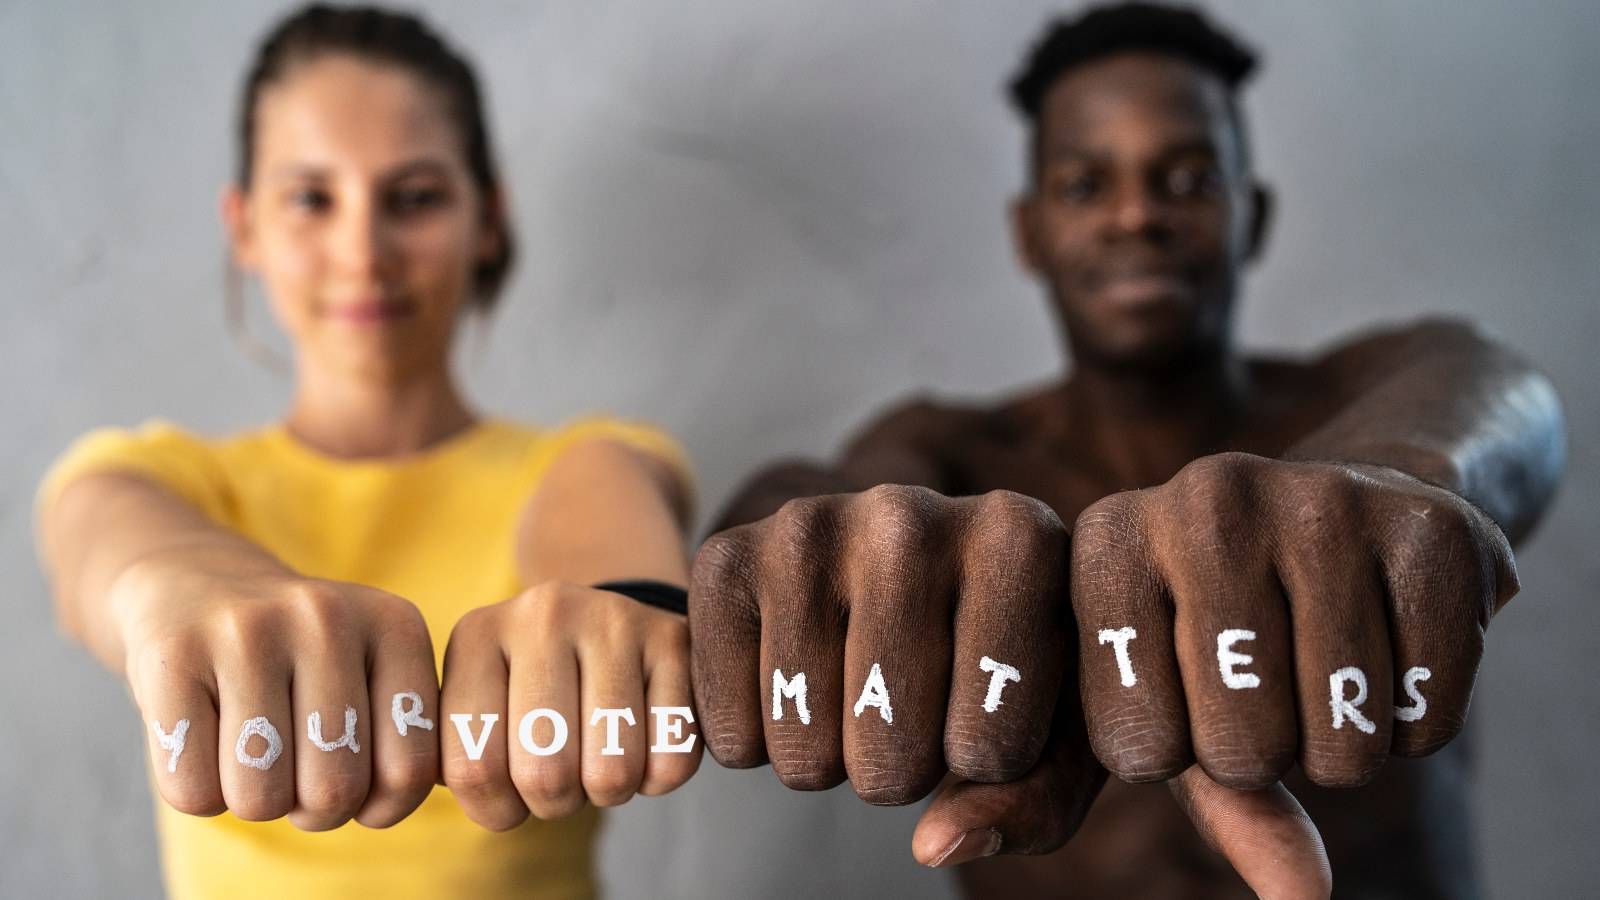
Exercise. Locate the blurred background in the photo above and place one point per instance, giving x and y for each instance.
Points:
(756, 223)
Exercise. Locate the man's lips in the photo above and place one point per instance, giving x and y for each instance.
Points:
(1144, 288)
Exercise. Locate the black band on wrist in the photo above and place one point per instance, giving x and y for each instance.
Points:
(659, 594)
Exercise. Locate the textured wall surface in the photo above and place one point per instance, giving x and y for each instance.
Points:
(755, 223)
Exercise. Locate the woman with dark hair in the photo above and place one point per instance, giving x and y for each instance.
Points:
(277, 599)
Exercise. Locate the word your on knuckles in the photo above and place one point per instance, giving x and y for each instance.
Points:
(406, 711)
(1229, 662)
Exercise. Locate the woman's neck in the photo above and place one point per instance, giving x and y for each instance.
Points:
(351, 418)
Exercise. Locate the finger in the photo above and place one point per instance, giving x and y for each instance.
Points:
(547, 756)
(611, 688)
(802, 649)
(473, 702)
(1265, 835)
(332, 734)
(1441, 585)
(1133, 700)
(1343, 669)
(255, 746)
(896, 678)
(674, 748)
(170, 687)
(725, 647)
(405, 719)
(1234, 645)
(1010, 638)
(1037, 813)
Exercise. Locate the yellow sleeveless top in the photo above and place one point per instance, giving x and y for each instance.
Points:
(435, 528)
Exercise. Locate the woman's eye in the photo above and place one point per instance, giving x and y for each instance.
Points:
(416, 199)
(310, 200)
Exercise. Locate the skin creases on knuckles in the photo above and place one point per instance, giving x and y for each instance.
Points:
(534, 748)
(896, 629)
(1433, 561)
(245, 642)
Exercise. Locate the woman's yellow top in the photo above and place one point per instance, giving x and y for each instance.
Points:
(435, 528)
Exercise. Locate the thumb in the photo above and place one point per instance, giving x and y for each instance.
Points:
(1037, 813)
(1265, 835)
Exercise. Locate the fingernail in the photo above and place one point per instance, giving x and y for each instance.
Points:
(971, 845)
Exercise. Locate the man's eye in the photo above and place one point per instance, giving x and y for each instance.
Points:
(1076, 189)
(1192, 181)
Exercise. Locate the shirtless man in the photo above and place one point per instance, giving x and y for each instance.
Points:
(1273, 561)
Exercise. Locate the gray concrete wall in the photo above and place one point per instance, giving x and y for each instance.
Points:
(755, 223)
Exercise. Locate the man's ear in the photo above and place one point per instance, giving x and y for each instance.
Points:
(236, 219)
(1024, 231)
(1261, 205)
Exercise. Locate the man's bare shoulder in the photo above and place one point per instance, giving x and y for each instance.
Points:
(1383, 347)
(1348, 365)
(924, 420)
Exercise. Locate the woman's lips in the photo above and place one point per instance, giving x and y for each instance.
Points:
(368, 312)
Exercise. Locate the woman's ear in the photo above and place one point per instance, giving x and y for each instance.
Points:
(492, 237)
(236, 218)
(1024, 232)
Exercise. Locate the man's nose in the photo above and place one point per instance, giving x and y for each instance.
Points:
(1137, 211)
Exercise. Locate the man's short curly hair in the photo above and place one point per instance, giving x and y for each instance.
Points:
(1104, 30)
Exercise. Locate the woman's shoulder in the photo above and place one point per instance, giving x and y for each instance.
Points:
(180, 458)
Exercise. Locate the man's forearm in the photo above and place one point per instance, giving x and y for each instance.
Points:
(770, 489)
(1464, 414)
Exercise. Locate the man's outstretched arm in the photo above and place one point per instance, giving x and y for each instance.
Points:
(899, 447)
(1441, 402)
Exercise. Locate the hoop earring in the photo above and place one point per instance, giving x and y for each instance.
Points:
(239, 326)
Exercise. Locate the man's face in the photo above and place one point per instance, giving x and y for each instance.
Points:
(1142, 213)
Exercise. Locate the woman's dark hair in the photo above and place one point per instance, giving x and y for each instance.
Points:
(395, 38)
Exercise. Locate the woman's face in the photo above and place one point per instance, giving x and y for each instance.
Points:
(361, 219)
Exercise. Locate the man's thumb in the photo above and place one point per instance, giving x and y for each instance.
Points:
(1265, 835)
(1034, 814)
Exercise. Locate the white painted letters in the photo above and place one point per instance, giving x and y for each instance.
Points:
(1346, 709)
(1419, 705)
(795, 689)
(172, 743)
(1227, 658)
(1118, 638)
(875, 693)
(999, 674)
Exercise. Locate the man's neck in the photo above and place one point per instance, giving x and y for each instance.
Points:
(359, 417)
(1142, 425)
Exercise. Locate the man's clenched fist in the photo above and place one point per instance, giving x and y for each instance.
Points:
(1252, 612)
(888, 637)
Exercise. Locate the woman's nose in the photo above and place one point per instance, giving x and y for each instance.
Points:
(361, 243)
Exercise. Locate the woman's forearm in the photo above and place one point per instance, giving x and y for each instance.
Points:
(602, 512)
(108, 530)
